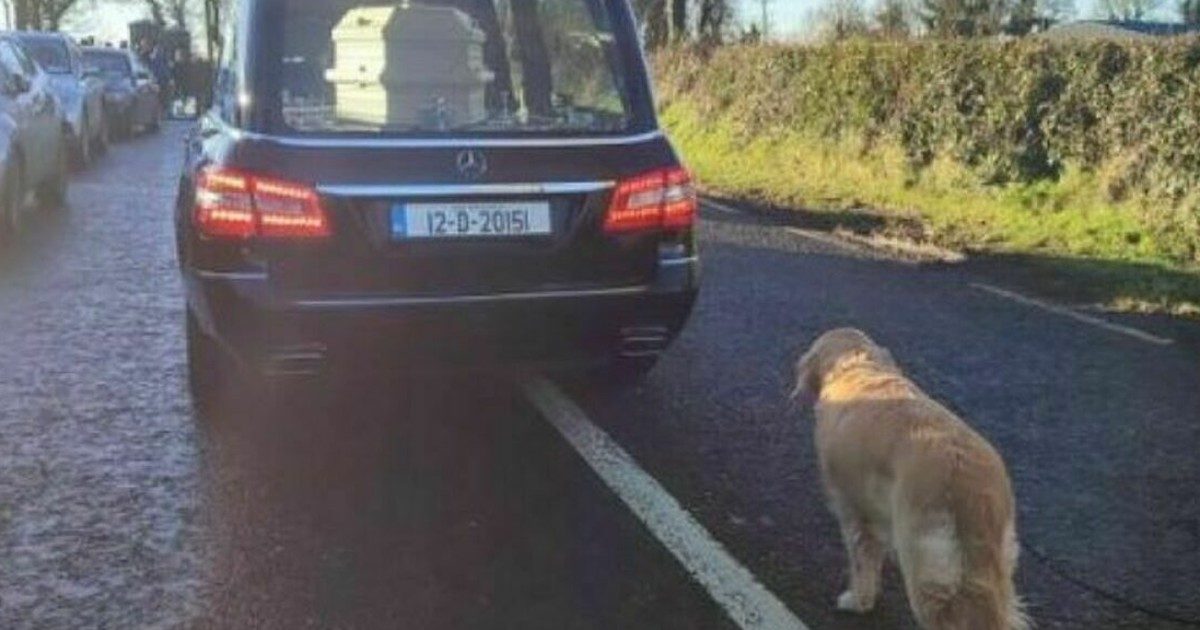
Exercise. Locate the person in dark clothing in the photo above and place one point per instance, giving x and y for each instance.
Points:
(155, 59)
(180, 82)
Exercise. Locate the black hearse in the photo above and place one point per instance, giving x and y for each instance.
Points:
(432, 183)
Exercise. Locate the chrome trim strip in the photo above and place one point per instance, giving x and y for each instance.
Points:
(451, 143)
(679, 262)
(444, 143)
(451, 190)
(230, 275)
(262, 276)
(466, 299)
(643, 353)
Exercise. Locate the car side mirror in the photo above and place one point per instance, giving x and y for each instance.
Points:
(17, 84)
(142, 78)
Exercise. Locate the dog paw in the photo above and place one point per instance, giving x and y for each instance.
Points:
(850, 602)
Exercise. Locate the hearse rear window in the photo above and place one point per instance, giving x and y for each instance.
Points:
(109, 64)
(451, 67)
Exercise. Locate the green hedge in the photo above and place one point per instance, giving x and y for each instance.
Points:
(1017, 112)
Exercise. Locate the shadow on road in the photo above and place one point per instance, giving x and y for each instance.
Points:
(1171, 294)
(41, 231)
(422, 504)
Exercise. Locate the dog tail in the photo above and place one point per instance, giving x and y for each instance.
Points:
(987, 597)
(984, 597)
(988, 591)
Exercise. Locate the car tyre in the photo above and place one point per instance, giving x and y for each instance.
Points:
(103, 139)
(52, 193)
(623, 373)
(83, 149)
(207, 368)
(11, 206)
(125, 126)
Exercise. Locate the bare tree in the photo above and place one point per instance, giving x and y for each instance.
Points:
(174, 13)
(677, 20)
(179, 11)
(157, 13)
(535, 64)
(653, 16)
(1189, 13)
(674, 21)
(765, 5)
(893, 19)
(714, 19)
(1056, 10)
(967, 18)
(40, 14)
(1127, 10)
(1030, 16)
(841, 19)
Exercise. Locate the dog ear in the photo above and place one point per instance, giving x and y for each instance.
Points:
(884, 357)
(808, 379)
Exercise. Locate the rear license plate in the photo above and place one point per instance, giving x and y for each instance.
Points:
(480, 219)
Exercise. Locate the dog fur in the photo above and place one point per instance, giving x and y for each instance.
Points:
(904, 474)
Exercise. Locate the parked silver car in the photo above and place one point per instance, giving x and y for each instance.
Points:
(80, 94)
(131, 96)
(33, 148)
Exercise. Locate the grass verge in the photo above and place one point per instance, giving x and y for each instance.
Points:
(1065, 235)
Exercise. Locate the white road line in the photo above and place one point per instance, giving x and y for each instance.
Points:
(1128, 331)
(747, 602)
(821, 237)
(828, 239)
(720, 207)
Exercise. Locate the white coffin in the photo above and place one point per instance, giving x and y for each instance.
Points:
(408, 65)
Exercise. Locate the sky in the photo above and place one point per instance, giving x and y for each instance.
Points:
(790, 17)
(105, 19)
(786, 15)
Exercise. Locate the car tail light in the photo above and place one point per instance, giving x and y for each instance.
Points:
(680, 202)
(232, 204)
(287, 210)
(224, 208)
(664, 199)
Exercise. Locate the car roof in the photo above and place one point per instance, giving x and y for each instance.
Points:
(102, 50)
(36, 35)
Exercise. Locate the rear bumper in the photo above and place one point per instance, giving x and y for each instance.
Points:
(117, 107)
(288, 333)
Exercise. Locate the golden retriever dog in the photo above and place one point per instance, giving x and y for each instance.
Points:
(904, 474)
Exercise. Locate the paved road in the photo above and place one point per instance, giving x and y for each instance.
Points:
(456, 504)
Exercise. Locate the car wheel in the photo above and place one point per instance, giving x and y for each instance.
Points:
(125, 126)
(102, 138)
(52, 193)
(623, 372)
(155, 123)
(207, 368)
(11, 206)
(83, 149)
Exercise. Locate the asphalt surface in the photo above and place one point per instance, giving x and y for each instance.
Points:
(453, 503)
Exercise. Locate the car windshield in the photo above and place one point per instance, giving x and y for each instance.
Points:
(446, 66)
(109, 64)
(51, 55)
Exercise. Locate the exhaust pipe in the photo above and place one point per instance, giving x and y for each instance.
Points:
(644, 342)
(306, 360)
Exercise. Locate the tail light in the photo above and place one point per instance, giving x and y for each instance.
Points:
(224, 206)
(232, 204)
(664, 199)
